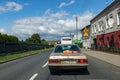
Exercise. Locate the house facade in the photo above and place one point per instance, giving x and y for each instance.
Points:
(105, 27)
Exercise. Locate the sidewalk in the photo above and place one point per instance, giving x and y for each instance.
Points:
(110, 58)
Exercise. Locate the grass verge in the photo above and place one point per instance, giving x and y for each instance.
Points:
(17, 55)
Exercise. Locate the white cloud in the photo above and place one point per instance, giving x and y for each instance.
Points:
(10, 6)
(2, 30)
(49, 13)
(45, 25)
(85, 18)
(63, 4)
(49, 26)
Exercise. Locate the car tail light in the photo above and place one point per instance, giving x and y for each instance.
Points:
(82, 61)
(53, 61)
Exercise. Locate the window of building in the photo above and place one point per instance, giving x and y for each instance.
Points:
(107, 26)
(111, 16)
(99, 29)
(95, 29)
(111, 21)
(92, 29)
(101, 26)
(118, 17)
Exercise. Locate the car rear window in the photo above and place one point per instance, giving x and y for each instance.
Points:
(61, 48)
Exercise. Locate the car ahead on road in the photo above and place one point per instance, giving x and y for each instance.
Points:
(67, 56)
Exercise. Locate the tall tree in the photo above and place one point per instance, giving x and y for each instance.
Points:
(8, 38)
(0, 36)
(35, 38)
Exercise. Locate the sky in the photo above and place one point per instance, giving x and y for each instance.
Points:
(51, 19)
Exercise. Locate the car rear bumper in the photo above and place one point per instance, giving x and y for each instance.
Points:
(68, 66)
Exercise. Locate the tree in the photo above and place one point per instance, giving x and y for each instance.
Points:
(0, 36)
(8, 38)
(43, 40)
(35, 38)
(13, 38)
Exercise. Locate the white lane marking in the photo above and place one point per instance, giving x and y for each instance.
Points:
(34, 76)
(45, 65)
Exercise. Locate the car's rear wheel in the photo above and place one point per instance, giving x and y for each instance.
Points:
(85, 68)
(52, 70)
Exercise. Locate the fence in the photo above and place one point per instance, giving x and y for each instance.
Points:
(9, 47)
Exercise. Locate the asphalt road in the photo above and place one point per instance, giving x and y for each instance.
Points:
(35, 68)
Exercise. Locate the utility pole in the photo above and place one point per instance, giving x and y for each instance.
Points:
(76, 28)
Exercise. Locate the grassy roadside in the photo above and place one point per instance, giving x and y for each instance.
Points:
(17, 55)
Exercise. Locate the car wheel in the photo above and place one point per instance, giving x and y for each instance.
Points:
(85, 69)
(52, 70)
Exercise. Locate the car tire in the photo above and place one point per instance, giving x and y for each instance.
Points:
(85, 69)
(52, 70)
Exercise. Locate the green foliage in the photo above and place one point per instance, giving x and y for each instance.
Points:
(8, 38)
(53, 42)
(17, 55)
(35, 38)
(80, 45)
(0, 36)
(44, 42)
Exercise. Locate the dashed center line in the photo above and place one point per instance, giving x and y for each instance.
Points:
(45, 65)
(34, 76)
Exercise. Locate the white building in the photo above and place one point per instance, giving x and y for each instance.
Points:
(105, 27)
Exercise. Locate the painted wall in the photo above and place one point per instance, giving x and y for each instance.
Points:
(109, 40)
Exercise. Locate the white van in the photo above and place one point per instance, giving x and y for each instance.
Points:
(66, 40)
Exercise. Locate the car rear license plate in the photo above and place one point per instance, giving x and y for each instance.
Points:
(68, 62)
(72, 62)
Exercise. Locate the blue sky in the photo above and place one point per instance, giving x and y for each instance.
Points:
(49, 18)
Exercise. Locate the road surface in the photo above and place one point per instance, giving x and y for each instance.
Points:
(35, 68)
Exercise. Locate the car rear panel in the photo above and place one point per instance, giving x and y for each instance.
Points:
(68, 60)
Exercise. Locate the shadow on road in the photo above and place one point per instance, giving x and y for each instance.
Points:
(72, 72)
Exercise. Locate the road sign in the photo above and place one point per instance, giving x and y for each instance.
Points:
(77, 41)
